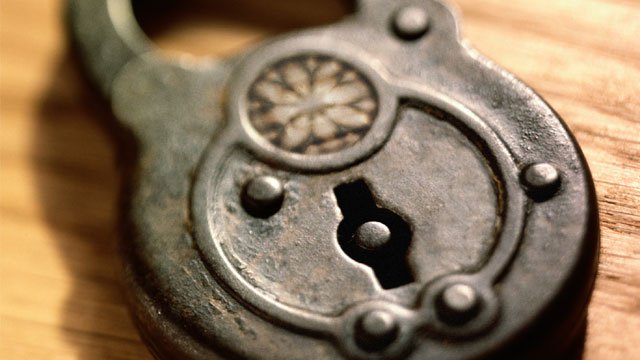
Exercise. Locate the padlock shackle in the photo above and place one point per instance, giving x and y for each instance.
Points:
(107, 36)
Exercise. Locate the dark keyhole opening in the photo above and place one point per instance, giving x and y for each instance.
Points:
(389, 262)
(223, 28)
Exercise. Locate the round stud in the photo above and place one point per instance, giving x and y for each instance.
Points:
(263, 196)
(372, 235)
(376, 330)
(411, 22)
(541, 179)
(458, 304)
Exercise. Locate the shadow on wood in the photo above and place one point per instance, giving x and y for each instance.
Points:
(75, 130)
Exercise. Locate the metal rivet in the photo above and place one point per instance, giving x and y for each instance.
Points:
(372, 235)
(458, 304)
(411, 22)
(263, 196)
(376, 330)
(541, 179)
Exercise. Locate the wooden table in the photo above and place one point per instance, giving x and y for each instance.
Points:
(59, 290)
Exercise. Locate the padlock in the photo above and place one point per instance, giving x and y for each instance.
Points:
(370, 189)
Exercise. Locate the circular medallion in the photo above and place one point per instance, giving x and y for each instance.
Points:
(312, 104)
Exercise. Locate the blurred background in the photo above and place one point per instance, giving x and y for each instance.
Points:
(60, 296)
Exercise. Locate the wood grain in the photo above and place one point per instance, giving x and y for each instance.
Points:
(59, 180)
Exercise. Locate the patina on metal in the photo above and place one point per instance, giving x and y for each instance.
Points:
(371, 189)
(312, 104)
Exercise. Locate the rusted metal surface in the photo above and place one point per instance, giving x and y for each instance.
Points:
(312, 105)
(370, 189)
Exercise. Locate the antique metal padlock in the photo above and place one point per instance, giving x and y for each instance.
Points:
(370, 189)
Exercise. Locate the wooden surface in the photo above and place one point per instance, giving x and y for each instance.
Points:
(59, 289)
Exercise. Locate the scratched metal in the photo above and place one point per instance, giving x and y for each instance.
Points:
(371, 189)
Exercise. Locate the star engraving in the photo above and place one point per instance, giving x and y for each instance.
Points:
(312, 105)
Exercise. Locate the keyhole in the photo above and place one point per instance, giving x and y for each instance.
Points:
(374, 236)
